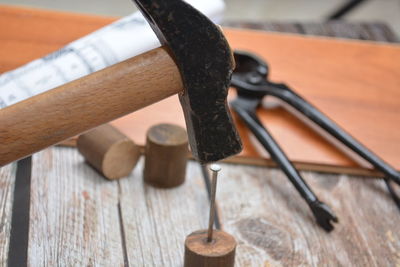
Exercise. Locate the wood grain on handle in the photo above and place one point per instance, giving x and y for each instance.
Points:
(78, 106)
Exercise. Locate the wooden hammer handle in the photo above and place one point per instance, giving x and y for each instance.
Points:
(73, 108)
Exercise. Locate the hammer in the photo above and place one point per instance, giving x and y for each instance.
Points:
(194, 61)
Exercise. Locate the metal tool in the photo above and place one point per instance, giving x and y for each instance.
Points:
(245, 107)
(215, 169)
(210, 247)
(251, 71)
(195, 61)
(251, 81)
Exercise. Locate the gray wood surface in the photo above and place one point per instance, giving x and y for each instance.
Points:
(7, 179)
(80, 219)
(157, 221)
(74, 217)
(274, 226)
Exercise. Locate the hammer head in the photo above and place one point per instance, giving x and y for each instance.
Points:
(205, 61)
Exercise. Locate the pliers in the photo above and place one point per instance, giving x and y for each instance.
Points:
(250, 79)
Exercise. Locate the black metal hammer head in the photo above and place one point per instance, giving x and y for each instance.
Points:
(206, 64)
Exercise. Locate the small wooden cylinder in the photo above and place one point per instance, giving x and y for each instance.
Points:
(109, 151)
(220, 252)
(166, 156)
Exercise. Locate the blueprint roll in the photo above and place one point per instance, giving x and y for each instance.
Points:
(125, 38)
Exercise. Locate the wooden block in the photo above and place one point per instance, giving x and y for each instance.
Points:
(109, 151)
(220, 252)
(166, 156)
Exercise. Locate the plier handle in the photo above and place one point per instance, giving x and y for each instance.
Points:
(250, 79)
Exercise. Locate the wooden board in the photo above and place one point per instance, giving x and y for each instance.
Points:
(79, 218)
(157, 221)
(349, 81)
(74, 216)
(274, 227)
(7, 179)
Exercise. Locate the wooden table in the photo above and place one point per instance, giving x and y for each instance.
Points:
(65, 213)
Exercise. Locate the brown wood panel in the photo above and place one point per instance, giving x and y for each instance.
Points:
(27, 34)
(355, 83)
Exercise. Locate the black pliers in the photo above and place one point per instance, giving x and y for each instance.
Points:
(250, 79)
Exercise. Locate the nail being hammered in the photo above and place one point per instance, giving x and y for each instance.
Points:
(215, 168)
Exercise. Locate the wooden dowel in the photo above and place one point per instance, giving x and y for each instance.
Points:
(109, 151)
(78, 106)
(220, 252)
(166, 156)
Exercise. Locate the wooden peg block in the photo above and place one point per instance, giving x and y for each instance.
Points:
(166, 156)
(220, 252)
(109, 151)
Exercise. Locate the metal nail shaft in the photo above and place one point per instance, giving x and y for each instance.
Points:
(215, 169)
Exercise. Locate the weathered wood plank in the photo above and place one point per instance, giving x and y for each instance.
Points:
(157, 221)
(274, 226)
(74, 217)
(7, 179)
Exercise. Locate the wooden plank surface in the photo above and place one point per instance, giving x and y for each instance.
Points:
(349, 81)
(274, 226)
(79, 218)
(74, 216)
(157, 221)
(7, 179)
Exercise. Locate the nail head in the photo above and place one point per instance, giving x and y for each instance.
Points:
(215, 167)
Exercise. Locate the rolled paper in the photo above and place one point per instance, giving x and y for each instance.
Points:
(125, 38)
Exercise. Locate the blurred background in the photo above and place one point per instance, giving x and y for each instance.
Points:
(295, 11)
